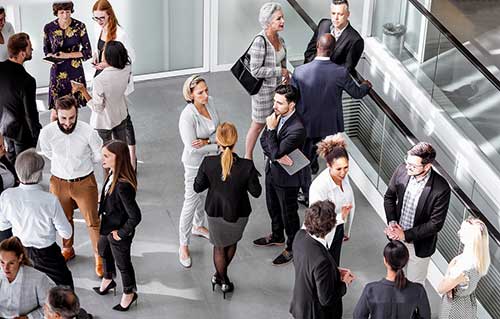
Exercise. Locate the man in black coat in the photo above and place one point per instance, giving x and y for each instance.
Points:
(416, 204)
(19, 122)
(350, 44)
(320, 84)
(319, 282)
(8, 179)
(284, 134)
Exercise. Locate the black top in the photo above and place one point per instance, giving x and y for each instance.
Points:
(5, 161)
(318, 290)
(348, 48)
(18, 113)
(119, 210)
(381, 300)
(228, 199)
(431, 209)
(100, 51)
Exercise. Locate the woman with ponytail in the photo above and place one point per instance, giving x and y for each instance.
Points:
(333, 184)
(228, 179)
(394, 296)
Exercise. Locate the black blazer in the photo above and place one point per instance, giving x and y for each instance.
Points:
(347, 50)
(119, 210)
(18, 113)
(431, 210)
(228, 199)
(318, 290)
(276, 145)
(320, 84)
(5, 161)
(381, 300)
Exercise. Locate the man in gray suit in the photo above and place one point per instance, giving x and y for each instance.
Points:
(320, 84)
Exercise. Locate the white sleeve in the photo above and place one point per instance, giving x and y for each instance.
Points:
(98, 101)
(4, 222)
(95, 143)
(60, 220)
(43, 141)
(317, 192)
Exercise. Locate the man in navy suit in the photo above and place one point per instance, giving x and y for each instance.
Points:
(320, 84)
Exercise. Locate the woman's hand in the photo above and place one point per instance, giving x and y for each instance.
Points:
(199, 143)
(115, 235)
(77, 87)
(345, 210)
(285, 75)
(100, 65)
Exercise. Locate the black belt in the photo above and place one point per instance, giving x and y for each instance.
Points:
(74, 180)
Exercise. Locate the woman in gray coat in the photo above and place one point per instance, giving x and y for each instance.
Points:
(267, 47)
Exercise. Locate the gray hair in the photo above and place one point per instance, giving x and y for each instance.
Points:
(64, 301)
(29, 167)
(266, 13)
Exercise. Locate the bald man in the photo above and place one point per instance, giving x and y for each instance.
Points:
(320, 84)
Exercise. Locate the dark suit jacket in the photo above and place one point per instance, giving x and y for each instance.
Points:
(5, 161)
(320, 84)
(431, 210)
(276, 145)
(348, 48)
(119, 210)
(318, 290)
(229, 198)
(18, 113)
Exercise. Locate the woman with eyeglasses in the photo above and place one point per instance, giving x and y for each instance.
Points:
(6, 30)
(197, 126)
(65, 39)
(464, 272)
(111, 30)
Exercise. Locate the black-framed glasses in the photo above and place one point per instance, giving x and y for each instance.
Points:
(413, 166)
(98, 19)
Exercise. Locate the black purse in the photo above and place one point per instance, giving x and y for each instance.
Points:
(241, 70)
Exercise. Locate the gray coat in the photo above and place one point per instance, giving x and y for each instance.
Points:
(262, 102)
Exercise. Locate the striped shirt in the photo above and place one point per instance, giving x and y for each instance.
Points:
(410, 201)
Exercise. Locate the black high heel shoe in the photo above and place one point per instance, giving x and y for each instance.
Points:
(119, 307)
(226, 287)
(215, 281)
(112, 285)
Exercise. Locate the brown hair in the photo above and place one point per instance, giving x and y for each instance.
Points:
(332, 148)
(66, 102)
(226, 136)
(425, 151)
(62, 5)
(320, 218)
(14, 245)
(124, 171)
(104, 5)
(17, 43)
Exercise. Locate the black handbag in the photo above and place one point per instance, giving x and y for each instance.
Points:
(241, 70)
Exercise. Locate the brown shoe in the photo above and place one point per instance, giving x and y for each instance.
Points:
(68, 254)
(99, 268)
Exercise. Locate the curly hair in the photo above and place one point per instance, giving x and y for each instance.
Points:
(333, 147)
(320, 218)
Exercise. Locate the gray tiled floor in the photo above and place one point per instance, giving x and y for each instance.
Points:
(165, 289)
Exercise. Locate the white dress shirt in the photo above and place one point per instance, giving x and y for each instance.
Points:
(71, 155)
(34, 215)
(337, 33)
(7, 31)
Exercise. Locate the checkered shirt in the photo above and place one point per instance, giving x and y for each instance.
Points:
(410, 201)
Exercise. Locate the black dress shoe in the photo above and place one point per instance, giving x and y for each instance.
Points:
(303, 199)
(268, 241)
(226, 287)
(111, 285)
(284, 258)
(119, 307)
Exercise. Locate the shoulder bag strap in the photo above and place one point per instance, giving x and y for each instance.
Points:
(265, 48)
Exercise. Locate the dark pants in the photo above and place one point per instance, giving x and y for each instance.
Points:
(130, 131)
(336, 246)
(50, 261)
(14, 148)
(310, 151)
(283, 210)
(111, 250)
(118, 132)
(4, 234)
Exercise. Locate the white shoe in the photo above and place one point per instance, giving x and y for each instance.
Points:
(198, 233)
(186, 263)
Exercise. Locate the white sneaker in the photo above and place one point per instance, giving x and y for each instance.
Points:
(186, 263)
(198, 233)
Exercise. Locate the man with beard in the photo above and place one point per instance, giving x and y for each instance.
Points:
(284, 134)
(73, 147)
(19, 122)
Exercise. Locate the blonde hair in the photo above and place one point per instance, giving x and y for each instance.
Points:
(226, 136)
(332, 148)
(478, 239)
(189, 85)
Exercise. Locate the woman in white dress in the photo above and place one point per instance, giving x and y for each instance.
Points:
(464, 272)
(6, 30)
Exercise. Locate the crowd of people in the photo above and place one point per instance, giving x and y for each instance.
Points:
(291, 114)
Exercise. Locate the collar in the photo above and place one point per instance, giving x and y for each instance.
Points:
(285, 118)
(333, 31)
(424, 179)
(322, 58)
(30, 186)
(327, 241)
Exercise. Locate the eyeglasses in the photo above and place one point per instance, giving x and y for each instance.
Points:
(98, 19)
(413, 166)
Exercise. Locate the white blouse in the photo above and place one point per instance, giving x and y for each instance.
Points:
(7, 31)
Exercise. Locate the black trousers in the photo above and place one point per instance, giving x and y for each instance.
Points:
(14, 148)
(111, 250)
(336, 246)
(310, 151)
(50, 261)
(4, 234)
(283, 209)
(118, 132)
(130, 131)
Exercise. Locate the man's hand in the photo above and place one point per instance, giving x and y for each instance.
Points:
(285, 160)
(115, 235)
(272, 121)
(346, 275)
(395, 232)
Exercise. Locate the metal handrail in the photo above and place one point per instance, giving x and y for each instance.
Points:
(460, 194)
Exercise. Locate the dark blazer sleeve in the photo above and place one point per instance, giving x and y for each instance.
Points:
(29, 102)
(328, 293)
(310, 52)
(424, 307)
(362, 309)
(253, 186)
(391, 198)
(201, 181)
(437, 217)
(286, 145)
(354, 90)
(354, 54)
(126, 194)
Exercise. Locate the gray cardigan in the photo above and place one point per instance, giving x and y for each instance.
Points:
(34, 287)
(193, 126)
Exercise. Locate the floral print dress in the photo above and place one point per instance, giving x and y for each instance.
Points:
(72, 39)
